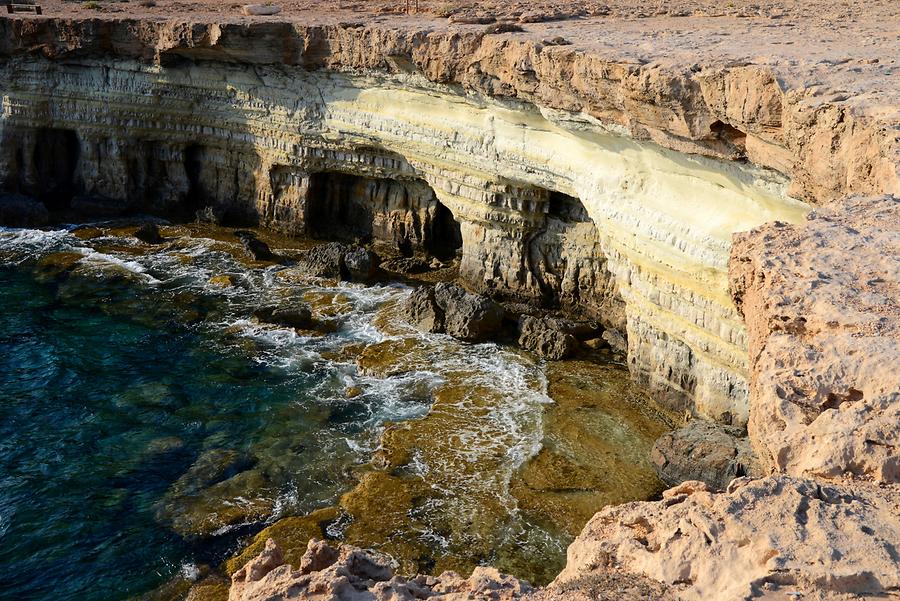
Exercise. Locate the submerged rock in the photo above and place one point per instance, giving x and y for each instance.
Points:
(547, 337)
(703, 450)
(56, 265)
(217, 491)
(22, 211)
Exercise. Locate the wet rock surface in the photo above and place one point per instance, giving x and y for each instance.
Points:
(340, 261)
(469, 317)
(294, 314)
(149, 233)
(255, 248)
(704, 451)
(449, 308)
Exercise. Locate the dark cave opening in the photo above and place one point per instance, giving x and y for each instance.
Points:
(344, 206)
(54, 164)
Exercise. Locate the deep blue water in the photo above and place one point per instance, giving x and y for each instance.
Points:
(84, 395)
(113, 383)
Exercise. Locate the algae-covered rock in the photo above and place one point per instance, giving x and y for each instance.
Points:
(217, 491)
(242, 499)
(56, 265)
(291, 534)
(222, 281)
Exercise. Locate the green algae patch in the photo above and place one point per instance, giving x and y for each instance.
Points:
(56, 265)
(292, 535)
(595, 452)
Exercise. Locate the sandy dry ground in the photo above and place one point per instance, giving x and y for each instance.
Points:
(830, 49)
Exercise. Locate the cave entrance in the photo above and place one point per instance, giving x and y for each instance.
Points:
(405, 212)
(54, 163)
(193, 166)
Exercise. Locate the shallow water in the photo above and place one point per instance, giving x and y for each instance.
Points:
(148, 425)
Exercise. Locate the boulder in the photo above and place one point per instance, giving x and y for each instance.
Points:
(256, 248)
(149, 234)
(361, 264)
(422, 311)
(615, 340)
(469, 317)
(325, 261)
(547, 337)
(22, 211)
(705, 451)
(292, 315)
(340, 261)
(407, 265)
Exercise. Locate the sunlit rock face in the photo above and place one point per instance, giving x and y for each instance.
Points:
(548, 206)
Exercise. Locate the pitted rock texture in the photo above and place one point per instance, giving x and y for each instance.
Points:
(822, 304)
(351, 574)
(547, 337)
(763, 538)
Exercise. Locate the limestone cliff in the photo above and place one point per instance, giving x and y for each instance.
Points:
(553, 164)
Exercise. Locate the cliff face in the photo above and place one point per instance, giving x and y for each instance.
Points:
(609, 187)
(540, 158)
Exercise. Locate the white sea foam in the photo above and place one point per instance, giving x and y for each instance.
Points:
(504, 432)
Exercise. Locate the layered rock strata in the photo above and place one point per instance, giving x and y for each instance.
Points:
(553, 203)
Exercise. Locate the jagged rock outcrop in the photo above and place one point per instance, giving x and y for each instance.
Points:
(706, 451)
(449, 308)
(348, 573)
(777, 535)
(547, 337)
(822, 304)
(340, 261)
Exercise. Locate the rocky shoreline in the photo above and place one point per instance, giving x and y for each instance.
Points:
(763, 293)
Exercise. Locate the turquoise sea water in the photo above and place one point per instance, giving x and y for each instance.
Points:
(119, 373)
(149, 426)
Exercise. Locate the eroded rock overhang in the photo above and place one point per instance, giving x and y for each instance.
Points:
(257, 133)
